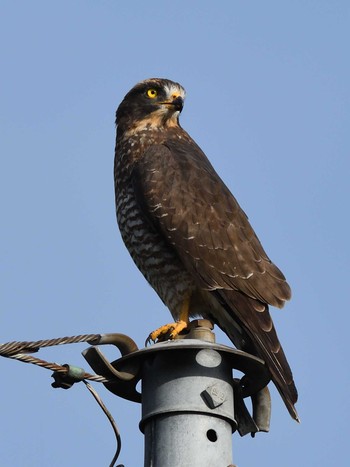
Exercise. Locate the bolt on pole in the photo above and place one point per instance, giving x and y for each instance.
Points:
(191, 404)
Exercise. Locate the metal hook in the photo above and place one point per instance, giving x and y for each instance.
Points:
(122, 382)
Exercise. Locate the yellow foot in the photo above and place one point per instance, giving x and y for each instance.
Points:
(167, 332)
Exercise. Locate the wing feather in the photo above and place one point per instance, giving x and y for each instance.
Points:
(203, 221)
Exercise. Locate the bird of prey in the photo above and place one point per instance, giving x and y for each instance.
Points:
(187, 233)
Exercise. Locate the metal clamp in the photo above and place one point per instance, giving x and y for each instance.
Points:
(74, 374)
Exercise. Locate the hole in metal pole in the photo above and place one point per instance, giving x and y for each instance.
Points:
(212, 436)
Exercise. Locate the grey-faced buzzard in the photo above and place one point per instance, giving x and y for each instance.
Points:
(188, 235)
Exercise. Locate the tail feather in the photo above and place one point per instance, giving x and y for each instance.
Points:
(258, 337)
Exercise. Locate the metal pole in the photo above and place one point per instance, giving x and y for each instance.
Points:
(191, 405)
(187, 409)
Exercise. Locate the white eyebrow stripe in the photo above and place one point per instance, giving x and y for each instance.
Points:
(175, 89)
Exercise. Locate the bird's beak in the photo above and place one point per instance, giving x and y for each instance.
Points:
(176, 103)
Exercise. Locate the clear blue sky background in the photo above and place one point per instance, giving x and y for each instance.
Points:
(268, 101)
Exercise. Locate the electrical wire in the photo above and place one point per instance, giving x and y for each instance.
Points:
(19, 351)
(111, 421)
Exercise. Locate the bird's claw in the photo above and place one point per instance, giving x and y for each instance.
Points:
(149, 341)
(166, 332)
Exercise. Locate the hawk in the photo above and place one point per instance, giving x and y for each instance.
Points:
(187, 233)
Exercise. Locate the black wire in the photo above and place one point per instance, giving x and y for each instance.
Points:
(111, 421)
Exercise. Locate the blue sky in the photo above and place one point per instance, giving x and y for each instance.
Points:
(268, 101)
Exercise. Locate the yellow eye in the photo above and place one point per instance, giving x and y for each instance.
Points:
(152, 93)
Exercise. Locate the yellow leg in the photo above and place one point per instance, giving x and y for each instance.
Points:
(185, 310)
(171, 330)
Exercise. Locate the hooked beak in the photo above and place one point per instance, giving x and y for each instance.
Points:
(177, 103)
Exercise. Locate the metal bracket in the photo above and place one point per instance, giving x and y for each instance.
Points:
(125, 373)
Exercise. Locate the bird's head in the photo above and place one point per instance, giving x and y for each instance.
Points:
(153, 102)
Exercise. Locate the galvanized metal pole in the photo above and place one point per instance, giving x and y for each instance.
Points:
(187, 409)
(190, 403)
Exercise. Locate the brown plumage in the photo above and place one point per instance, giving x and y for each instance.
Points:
(188, 235)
